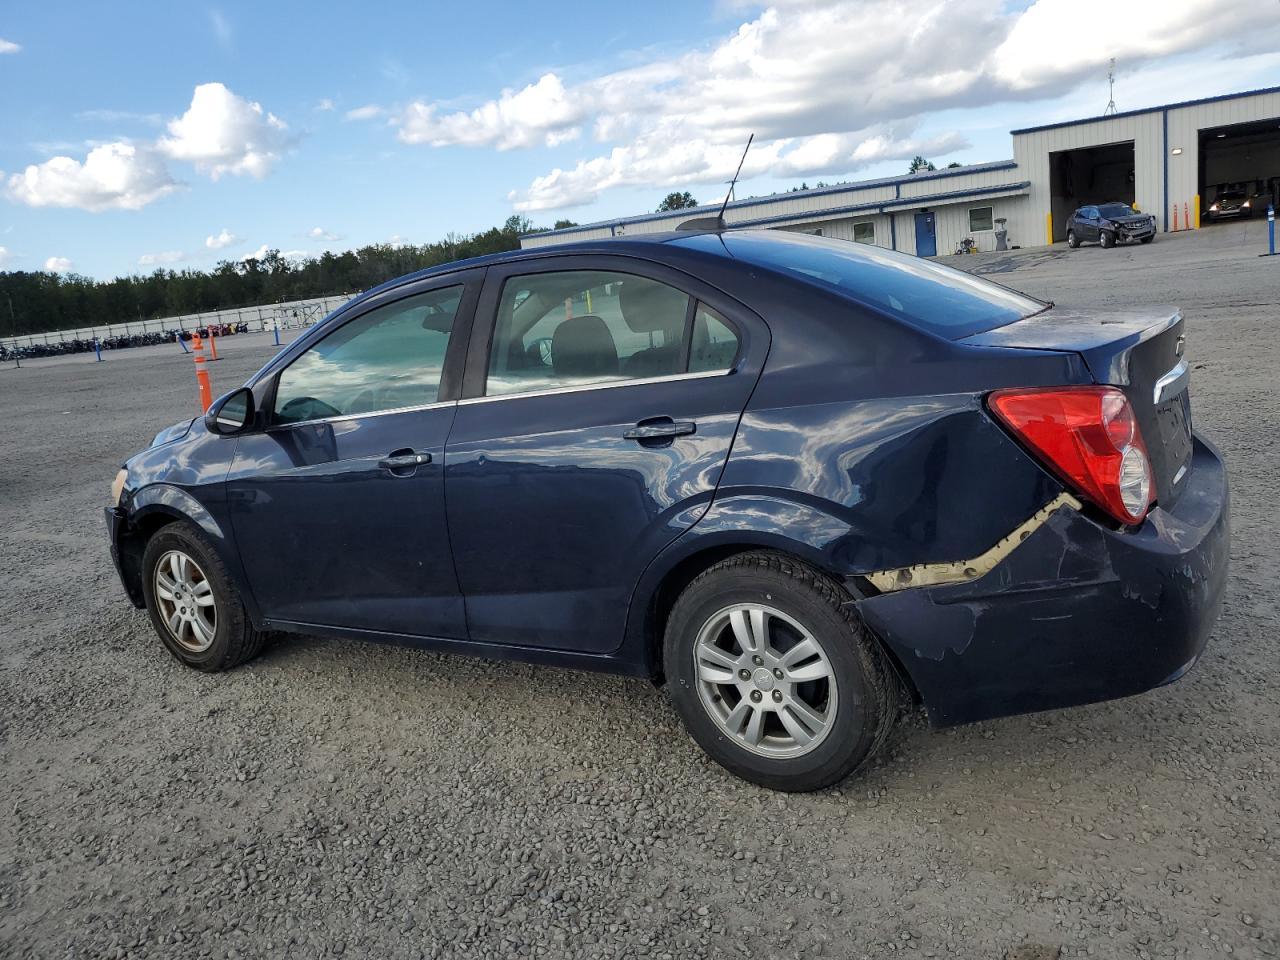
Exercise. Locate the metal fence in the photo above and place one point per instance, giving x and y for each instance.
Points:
(297, 313)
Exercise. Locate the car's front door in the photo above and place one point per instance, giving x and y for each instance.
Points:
(1087, 223)
(338, 503)
(600, 402)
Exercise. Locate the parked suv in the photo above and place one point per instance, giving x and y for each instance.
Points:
(801, 481)
(1109, 224)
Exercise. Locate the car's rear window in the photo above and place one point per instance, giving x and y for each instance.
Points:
(927, 295)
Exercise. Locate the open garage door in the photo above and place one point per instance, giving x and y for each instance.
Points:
(1089, 175)
(1239, 170)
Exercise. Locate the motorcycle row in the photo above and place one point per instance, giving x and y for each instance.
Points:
(62, 347)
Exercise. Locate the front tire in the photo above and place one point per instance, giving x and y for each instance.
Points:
(193, 603)
(1072, 240)
(1146, 239)
(1107, 239)
(774, 675)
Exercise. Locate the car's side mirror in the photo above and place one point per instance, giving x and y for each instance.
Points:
(230, 414)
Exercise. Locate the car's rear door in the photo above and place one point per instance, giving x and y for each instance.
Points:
(595, 422)
(338, 504)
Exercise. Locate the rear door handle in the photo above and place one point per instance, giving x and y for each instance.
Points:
(661, 429)
(404, 461)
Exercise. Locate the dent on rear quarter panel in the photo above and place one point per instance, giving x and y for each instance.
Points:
(875, 484)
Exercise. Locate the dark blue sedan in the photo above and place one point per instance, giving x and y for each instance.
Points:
(802, 481)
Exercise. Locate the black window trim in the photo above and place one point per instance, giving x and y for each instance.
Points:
(470, 280)
(475, 377)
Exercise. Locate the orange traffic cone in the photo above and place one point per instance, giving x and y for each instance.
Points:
(202, 374)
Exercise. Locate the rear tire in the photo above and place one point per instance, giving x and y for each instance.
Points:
(193, 603)
(806, 700)
(1072, 242)
(1107, 239)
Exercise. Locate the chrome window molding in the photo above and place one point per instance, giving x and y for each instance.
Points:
(362, 416)
(1172, 382)
(607, 385)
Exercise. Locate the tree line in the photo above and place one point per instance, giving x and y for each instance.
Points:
(42, 302)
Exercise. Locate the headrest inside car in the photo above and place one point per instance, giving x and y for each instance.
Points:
(583, 347)
(648, 306)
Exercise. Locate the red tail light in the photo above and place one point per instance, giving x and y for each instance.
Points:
(1087, 436)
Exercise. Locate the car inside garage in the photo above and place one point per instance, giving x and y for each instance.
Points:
(1095, 174)
(1239, 170)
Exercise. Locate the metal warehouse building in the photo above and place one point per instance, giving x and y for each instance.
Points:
(1164, 159)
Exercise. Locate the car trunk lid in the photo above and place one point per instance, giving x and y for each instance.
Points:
(1142, 353)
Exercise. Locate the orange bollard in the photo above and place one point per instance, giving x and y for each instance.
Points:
(1186, 216)
(213, 347)
(1175, 218)
(202, 374)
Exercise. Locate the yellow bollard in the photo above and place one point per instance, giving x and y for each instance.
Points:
(1048, 228)
(1197, 211)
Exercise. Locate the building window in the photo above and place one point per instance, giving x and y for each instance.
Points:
(980, 219)
(864, 232)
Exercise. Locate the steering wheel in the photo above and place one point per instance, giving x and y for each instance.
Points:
(306, 408)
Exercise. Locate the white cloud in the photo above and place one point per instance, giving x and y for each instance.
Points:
(367, 112)
(4, 256)
(58, 265)
(827, 86)
(119, 176)
(325, 104)
(222, 133)
(217, 241)
(320, 233)
(258, 254)
(651, 159)
(167, 256)
(542, 112)
(8, 46)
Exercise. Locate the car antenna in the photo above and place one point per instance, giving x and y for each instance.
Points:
(717, 223)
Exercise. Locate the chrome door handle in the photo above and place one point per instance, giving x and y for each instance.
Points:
(404, 461)
(661, 430)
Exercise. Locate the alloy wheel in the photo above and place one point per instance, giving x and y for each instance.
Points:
(185, 598)
(765, 680)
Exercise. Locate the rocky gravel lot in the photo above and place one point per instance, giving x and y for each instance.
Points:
(338, 799)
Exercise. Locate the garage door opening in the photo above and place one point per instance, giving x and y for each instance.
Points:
(1239, 171)
(1089, 175)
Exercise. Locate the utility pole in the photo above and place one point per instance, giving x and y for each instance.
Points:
(1111, 84)
(13, 321)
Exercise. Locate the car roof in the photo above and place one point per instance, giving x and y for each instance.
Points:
(643, 246)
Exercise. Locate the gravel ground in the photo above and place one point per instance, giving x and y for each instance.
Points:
(345, 799)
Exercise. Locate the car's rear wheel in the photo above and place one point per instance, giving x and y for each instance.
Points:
(1107, 239)
(774, 676)
(1072, 240)
(193, 603)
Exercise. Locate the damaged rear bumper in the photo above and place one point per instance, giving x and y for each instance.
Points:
(1077, 613)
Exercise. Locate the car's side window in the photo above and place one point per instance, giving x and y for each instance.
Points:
(391, 357)
(582, 327)
(715, 345)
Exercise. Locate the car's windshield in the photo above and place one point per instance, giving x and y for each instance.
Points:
(1231, 195)
(927, 295)
(1116, 210)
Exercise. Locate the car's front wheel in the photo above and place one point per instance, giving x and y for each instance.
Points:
(774, 676)
(1107, 238)
(1072, 240)
(193, 603)
(1147, 239)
